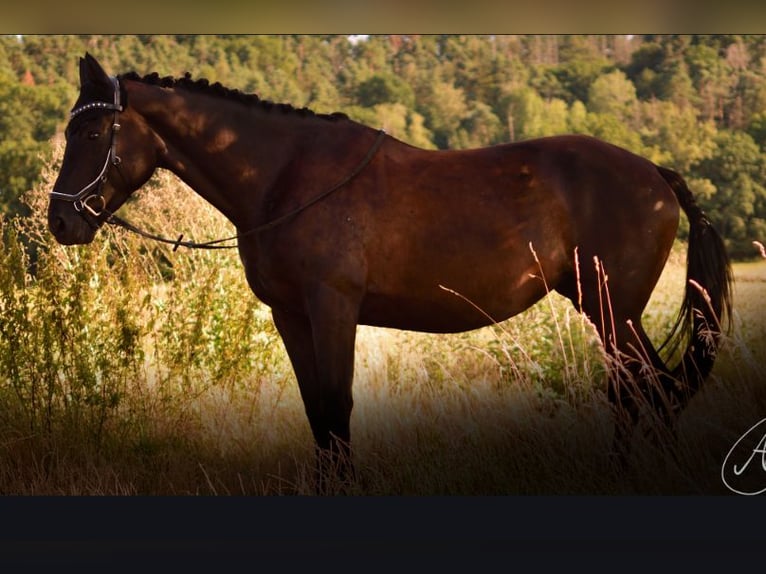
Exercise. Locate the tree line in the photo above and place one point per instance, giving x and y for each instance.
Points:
(693, 103)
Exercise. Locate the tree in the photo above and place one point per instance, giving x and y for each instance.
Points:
(757, 129)
(445, 109)
(398, 121)
(385, 88)
(712, 79)
(530, 116)
(29, 117)
(610, 128)
(737, 169)
(481, 127)
(677, 138)
(546, 83)
(613, 94)
(645, 68)
(581, 64)
(476, 66)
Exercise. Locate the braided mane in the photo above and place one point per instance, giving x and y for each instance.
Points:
(219, 90)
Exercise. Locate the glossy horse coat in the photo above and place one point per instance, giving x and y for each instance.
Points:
(342, 225)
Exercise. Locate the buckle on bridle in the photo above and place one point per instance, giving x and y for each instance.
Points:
(86, 205)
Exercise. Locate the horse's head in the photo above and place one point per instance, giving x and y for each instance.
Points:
(108, 156)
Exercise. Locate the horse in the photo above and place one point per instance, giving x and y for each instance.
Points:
(339, 224)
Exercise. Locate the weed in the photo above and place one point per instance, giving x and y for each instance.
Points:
(126, 368)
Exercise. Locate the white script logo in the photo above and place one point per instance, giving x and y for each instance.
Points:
(744, 468)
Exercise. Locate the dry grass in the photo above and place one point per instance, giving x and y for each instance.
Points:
(165, 376)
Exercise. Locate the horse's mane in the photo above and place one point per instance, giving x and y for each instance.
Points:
(217, 89)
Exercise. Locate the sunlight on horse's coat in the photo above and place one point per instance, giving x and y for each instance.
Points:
(222, 140)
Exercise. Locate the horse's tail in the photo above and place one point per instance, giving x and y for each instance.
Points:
(706, 310)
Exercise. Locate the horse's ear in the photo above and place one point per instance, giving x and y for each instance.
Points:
(93, 78)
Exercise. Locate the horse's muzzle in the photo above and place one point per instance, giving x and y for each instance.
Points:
(69, 226)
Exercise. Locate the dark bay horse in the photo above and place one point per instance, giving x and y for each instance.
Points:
(340, 224)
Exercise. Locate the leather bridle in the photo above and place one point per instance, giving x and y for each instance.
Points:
(90, 198)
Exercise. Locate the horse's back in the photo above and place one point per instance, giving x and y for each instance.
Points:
(572, 189)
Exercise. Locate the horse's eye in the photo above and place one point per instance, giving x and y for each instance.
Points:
(93, 135)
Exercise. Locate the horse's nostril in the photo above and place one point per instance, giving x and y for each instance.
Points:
(56, 225)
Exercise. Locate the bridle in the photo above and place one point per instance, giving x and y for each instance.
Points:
(89, 198)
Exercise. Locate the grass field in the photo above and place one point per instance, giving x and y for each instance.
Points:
(132, 370)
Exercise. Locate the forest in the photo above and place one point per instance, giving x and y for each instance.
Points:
(694, 103)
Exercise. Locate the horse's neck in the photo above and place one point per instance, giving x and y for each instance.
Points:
(228, 153)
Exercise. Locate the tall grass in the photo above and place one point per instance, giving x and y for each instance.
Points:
(126, 368)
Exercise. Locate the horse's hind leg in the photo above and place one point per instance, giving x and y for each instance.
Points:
(639, 382)
(638, 378)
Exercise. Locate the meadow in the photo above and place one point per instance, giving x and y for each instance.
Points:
(127, 368)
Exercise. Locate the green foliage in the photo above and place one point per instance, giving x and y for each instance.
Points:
(610, 128)
(480, 126)
(29, 117)
(446, 108)
(531, 116)
(666, 97)
(737, 169)
(613, 94)
(676, 135)
(94, 327)
(757, 129)
(397, 120)
(645, 69)
(581, 65)
(73, 372)
(385, 89)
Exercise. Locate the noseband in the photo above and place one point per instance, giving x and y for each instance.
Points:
(89, 198)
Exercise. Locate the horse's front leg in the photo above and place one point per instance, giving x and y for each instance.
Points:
(321, 350)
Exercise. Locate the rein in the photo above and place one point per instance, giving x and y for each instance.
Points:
(216, 243)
